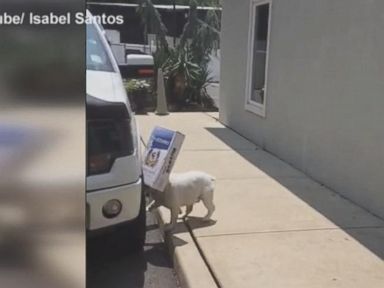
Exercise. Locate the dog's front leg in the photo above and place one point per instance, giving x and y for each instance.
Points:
(154, 204)
(187, 211)
(174, 214)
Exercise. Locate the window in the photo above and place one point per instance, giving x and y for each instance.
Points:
(97, 56)
(258, 56)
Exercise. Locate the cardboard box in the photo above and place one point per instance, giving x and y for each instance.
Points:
(163, 147)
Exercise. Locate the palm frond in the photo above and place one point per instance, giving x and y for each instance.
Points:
(191, 24)
(151, 18)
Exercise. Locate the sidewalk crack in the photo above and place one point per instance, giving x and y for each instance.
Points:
(214, 277)
(292, 230)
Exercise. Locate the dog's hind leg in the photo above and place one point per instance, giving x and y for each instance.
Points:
(208, 203)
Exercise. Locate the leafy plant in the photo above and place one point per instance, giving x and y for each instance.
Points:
(180, 62)
(181, 72)
(185, 66)
(138, 93)
(199, 88)
(135, 85)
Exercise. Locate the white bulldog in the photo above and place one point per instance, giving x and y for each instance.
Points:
(185, 189)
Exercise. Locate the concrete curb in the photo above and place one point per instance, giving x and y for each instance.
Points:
(189, 266)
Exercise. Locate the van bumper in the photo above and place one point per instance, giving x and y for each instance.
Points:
(129, 196)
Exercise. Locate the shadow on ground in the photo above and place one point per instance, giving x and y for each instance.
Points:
(191, 221)
(110, 267)
(371, 237)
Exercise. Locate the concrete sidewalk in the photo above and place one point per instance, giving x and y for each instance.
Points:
(275, 226)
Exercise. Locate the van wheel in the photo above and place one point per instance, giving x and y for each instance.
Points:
(140, 226)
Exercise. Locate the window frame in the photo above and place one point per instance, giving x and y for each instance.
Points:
(250, 105)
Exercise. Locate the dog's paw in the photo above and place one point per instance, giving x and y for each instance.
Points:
(207, 219)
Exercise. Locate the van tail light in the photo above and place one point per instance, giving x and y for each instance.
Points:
(145, 72)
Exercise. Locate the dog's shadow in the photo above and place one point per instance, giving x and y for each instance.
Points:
(190, 223)
(185, 225)
(198, 222)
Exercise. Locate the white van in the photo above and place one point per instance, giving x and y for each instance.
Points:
(115, 199)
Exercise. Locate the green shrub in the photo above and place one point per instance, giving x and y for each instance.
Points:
(139, 93)
(136, 85)
(186, 65)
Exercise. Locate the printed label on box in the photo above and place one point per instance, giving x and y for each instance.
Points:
(162, 150)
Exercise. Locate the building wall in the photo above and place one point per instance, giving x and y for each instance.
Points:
(325, 90)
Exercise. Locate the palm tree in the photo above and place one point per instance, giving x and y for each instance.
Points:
(152, 22)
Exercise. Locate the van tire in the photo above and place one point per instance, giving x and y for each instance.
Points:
(132, 235)
(139, 227)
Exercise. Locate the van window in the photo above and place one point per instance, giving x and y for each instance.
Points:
(97, 56)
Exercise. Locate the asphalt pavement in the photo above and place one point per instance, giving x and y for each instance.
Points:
(152, 268)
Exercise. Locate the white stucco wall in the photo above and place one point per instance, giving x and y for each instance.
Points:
(325, 90)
